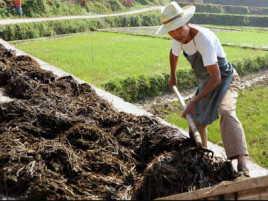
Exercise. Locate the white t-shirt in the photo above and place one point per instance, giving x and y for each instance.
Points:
(206, 43)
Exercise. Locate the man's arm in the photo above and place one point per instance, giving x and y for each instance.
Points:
(213, 82)
(173, 65)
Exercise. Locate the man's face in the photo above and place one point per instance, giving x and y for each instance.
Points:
(180, 34)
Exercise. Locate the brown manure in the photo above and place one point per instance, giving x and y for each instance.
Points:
(59, 140)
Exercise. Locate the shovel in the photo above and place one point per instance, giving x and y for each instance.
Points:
(196, 134)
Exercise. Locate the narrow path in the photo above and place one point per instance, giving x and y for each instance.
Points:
(27, 20)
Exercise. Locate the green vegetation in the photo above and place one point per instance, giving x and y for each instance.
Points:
(97, 57)
(38, 8)
(51, 28)
(244, 38)
(123, 64)
(48, 8)
(133, 88)
(252, 109)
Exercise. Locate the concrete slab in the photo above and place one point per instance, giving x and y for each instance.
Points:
(121, 105)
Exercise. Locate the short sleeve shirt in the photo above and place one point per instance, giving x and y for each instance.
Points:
(205, 42)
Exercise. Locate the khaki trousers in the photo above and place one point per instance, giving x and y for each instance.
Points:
(232, 132)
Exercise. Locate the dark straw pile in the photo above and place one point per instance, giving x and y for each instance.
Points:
(59, 140)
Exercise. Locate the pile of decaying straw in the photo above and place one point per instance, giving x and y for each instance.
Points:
(59, 140)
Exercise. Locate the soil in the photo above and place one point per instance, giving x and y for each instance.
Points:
(59, 140)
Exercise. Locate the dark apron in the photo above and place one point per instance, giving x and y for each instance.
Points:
(206, 110)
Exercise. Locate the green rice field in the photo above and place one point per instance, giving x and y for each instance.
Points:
(97, 57)
(245, 38)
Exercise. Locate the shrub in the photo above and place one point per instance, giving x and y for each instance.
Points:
(3, 13)
(33, 8)
(134, 88)
(37, 8)
(144, 2)
(251, 65)
(143, 86)
(116, 5)
(111, 86)
(129, 88)
(154, 85)
(150, 20)
(96, 7)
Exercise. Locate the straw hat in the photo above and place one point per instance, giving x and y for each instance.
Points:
(173, 17)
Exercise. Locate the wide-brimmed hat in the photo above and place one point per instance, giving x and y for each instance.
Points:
(173, 17)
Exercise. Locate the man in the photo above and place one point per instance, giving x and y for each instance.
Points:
(218, 81)
(16, 4)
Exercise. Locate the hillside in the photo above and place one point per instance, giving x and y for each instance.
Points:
(47, 8)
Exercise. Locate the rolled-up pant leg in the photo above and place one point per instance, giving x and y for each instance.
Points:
(232, 132)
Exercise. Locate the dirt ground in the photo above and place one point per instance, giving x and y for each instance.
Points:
(59, 140)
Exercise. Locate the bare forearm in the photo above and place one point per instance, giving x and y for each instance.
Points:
(173, 63)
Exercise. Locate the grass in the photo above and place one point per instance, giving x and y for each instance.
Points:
(244, 38)
(252, 109)
(97, 57)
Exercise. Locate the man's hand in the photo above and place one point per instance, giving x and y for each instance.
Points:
(189, 109)
(172, 82)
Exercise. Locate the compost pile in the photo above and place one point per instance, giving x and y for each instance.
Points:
(59, 140)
